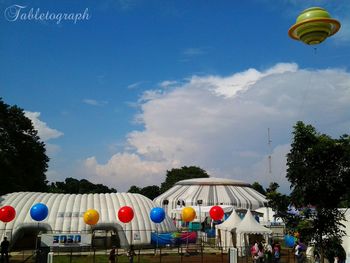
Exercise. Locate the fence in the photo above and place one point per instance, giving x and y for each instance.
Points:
(192, 253)
(205, 249)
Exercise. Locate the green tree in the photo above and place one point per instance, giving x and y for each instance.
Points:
(318, 170)
(151, 191)
(134, 189)
(75, 186)
(183, 173)
(259, 188)
(23, 160)
(277, 201)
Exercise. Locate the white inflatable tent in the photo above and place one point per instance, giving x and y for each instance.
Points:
(66, 215)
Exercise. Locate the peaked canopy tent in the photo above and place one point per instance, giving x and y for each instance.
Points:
(208, 192)
(249, 226)
(226, 231)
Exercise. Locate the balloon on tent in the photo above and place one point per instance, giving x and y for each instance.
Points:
(7, 213)
(313, 26)
(216, 213)
(188, 214)
(125, 214)
(157, 214)
(91, 217)
(39, 212)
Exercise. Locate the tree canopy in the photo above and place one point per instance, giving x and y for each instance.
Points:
(23, 159)
(318, 170)
(259, 188)
(183, 173)
(75, 186)
(172, 176)
(151, 191)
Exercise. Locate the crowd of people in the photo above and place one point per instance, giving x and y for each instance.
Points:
(266, 252)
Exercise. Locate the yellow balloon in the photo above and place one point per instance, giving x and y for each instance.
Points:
(91, 217)
(188, 214)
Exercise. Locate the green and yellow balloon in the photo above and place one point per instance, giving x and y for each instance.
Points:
(313, 26)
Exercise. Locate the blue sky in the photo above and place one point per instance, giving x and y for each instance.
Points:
(141, 87)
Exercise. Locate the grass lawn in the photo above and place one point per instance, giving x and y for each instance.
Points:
(98, 259)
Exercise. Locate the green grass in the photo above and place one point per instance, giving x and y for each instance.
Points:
(98, 259)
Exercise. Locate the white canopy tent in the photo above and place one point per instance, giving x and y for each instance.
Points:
(226, 231)
(250, 226)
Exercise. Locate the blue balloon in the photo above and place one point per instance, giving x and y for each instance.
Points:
(157, 214)
(39, 212)
(289, 241)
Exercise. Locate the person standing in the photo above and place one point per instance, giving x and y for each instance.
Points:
(131, 254)
(276, 252)
(5, 244)
(254, 251)
(112, 255)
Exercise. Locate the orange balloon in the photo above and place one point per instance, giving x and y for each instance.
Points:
(91, 217)
(188, 214)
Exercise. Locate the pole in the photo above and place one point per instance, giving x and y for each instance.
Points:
(157, 237)
(200, 224)
(126, 235)
(36, 242)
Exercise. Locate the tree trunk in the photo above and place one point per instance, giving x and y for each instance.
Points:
(321, 250)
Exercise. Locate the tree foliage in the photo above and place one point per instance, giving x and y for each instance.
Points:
(74, 186)
(151, 191)
(277, 201)
(23, 160)
(183, 173)
(318, 170)
(259, 188)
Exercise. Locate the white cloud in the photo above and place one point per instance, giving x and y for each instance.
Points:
(168, 83)
(136, 84)
(44, 131)
(194, 52)
(241, 81)
(127, 169)
(93, 102)
(220, 124)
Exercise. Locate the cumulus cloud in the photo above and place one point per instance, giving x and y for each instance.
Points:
(168, 83)
(127, 169)
(220, 124)
(44, 131)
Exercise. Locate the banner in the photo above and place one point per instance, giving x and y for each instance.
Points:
(66, 240)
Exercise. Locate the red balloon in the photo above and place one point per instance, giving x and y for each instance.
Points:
(125, 214)
(216, 213)
(7, 213)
